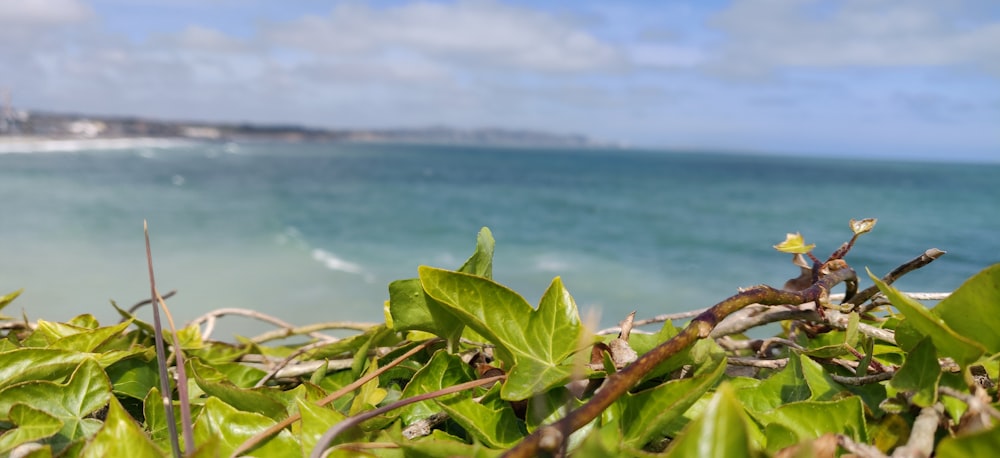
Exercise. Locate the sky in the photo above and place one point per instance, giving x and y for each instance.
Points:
(895, 79)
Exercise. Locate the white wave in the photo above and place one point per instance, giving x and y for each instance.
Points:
(332, 262)
(43, 145)
(551, 263)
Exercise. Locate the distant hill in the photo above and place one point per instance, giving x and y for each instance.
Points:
(24, 123)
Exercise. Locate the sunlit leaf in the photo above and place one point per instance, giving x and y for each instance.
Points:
(410, 308)
(533, 343)
(947, 342)
(72, 402)
(794, 244)
(231, 428)
(31, 425)
(443, 370)
(90, 339)
(812, 419)
(120, 436)
(134, 376)
(982, 443)
(721, 431)
(863, 226)
(316, 421)
(260, 400)
(973, 310)
(491, 421)
(8, 298)
(646, 413)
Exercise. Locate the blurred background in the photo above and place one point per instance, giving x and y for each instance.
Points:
(295, 157)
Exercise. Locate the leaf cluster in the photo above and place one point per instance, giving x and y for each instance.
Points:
(887, 376)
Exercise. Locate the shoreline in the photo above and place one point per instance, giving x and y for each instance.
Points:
(35, 144)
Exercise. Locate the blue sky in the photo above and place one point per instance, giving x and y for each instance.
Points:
(913, 79)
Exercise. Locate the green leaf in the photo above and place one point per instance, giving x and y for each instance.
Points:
(32, 425)
(787, 385)
(410, 308)
(134, 376)
(37, 364)
(946, 341)
(316, 421)
(214, 383)
(835, 343)
(440, 444)
(821, 386)
(645, 414)
(72, 402)
(973, 310)
(7, 299)
(721, 431)
(982, 443)
(120, 436)
(533, 343)
(794, 244)
(811, 419)
(920, 374)
(491, 421)
(443, 370)
(231, 428)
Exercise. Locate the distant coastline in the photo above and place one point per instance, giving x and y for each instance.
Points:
(47, 131)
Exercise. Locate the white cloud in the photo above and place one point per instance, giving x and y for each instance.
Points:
(43, 12)
(762, 35)
(478, 32)
(203, 39)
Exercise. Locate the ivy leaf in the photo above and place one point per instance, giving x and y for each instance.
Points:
(646, 413)
(973, 310)
(8, 298)
(214, 383)
(315, 421)
(787, 385)
(920, 374)
(37, 364)
(721, 431)
(231, 428)
(443, 370)
(72, 402)
(946, 341)
(982, 443)
(90, 339)
(533, 343)
(32, 425)
(134, 376)
(794, 244)
(411, 309)
(491, 421)
(120, 436)
(811, 419)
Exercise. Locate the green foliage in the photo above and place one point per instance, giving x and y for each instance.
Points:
(81, 389)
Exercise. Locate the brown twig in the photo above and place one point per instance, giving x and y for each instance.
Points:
(255, 440)
(926, 258)
(312, 330)
(863, 380)
(210, 318)
(701, 327)
(348, 423)
(134, 308)
(281, 364)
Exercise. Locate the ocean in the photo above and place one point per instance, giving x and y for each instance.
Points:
(315, 232)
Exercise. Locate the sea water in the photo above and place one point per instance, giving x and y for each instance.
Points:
(315, 232)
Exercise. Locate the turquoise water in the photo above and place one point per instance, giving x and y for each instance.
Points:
(315, 232)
